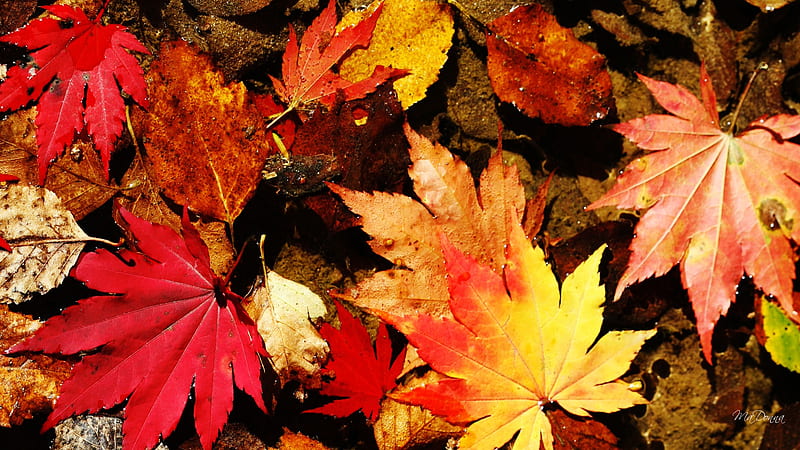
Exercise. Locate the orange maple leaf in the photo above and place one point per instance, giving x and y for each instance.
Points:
(513, 347)
(474, 221)
(710, 205)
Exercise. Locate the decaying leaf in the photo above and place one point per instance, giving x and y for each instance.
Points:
(30, 382)
(514, 346)
(205, 139)
(79, 179)
(542, 69)
(29, 218)
(362, 375)
(708, 205)
(361, 143)
(295, 441)
(285, 312)
(410, 34)
(474, 221)
(779, 335)
(401, 426)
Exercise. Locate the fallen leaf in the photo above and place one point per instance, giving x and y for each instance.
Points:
(709, 206)
(284, 312)
(579, 432)
(30, 383)
(769, 5)
(513, 347)
(291, 441)
(72, 55)
(45, 242)
(170, 326)
(449, 204)
(205, 139)
(370, 154)
(80, 180)
(306, 70)
(782, 431)
(401, 426)
(362, 374)
(410, 34)
(542, 69)
(779, 335)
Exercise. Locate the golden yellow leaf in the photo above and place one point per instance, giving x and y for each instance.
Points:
(410, 34)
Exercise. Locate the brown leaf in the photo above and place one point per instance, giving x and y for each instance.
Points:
(30, 216)
(401, 426)
(79, 180)
(574, 432)
(545, 71)
(30, 384)
(205, 138)
(291, 441)
(365, 138)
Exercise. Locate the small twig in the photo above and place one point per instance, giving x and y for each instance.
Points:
(66, 241)
(761, 67)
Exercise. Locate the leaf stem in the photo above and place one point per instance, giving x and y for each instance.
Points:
(227, 278)
(761, 67)
(102, 11)
(66, 241)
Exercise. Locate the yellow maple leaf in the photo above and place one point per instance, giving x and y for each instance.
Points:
(515, 346)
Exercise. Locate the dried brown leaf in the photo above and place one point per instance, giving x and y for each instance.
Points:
(30, 383)
(79, 179)
(205, 139)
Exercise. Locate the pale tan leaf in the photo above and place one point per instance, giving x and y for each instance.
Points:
(284, 312)
(45, 240)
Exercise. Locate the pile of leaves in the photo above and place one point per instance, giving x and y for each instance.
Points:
(457, 313)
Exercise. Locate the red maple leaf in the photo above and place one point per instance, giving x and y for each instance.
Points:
(711, 203)
(172, 324)
(72, 55)
(307, 74)
(363, 375)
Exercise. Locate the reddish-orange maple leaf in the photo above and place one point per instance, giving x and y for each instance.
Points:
(171, 326)
(307, 74)
(513, 345)
(711, 203)
(363, 375)
(72, 55)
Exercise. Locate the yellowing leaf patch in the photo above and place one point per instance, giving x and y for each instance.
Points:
(515, 346)
(410, 34)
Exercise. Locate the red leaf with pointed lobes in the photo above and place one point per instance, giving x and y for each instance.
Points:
(74, 54)
(363, 375)
(307, 74)
(711, 205)
(171, 325)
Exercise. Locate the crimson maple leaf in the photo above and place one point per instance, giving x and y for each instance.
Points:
(363, 375)
(171, 325)
(711, 204)
(306, 70)
(72, 55)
